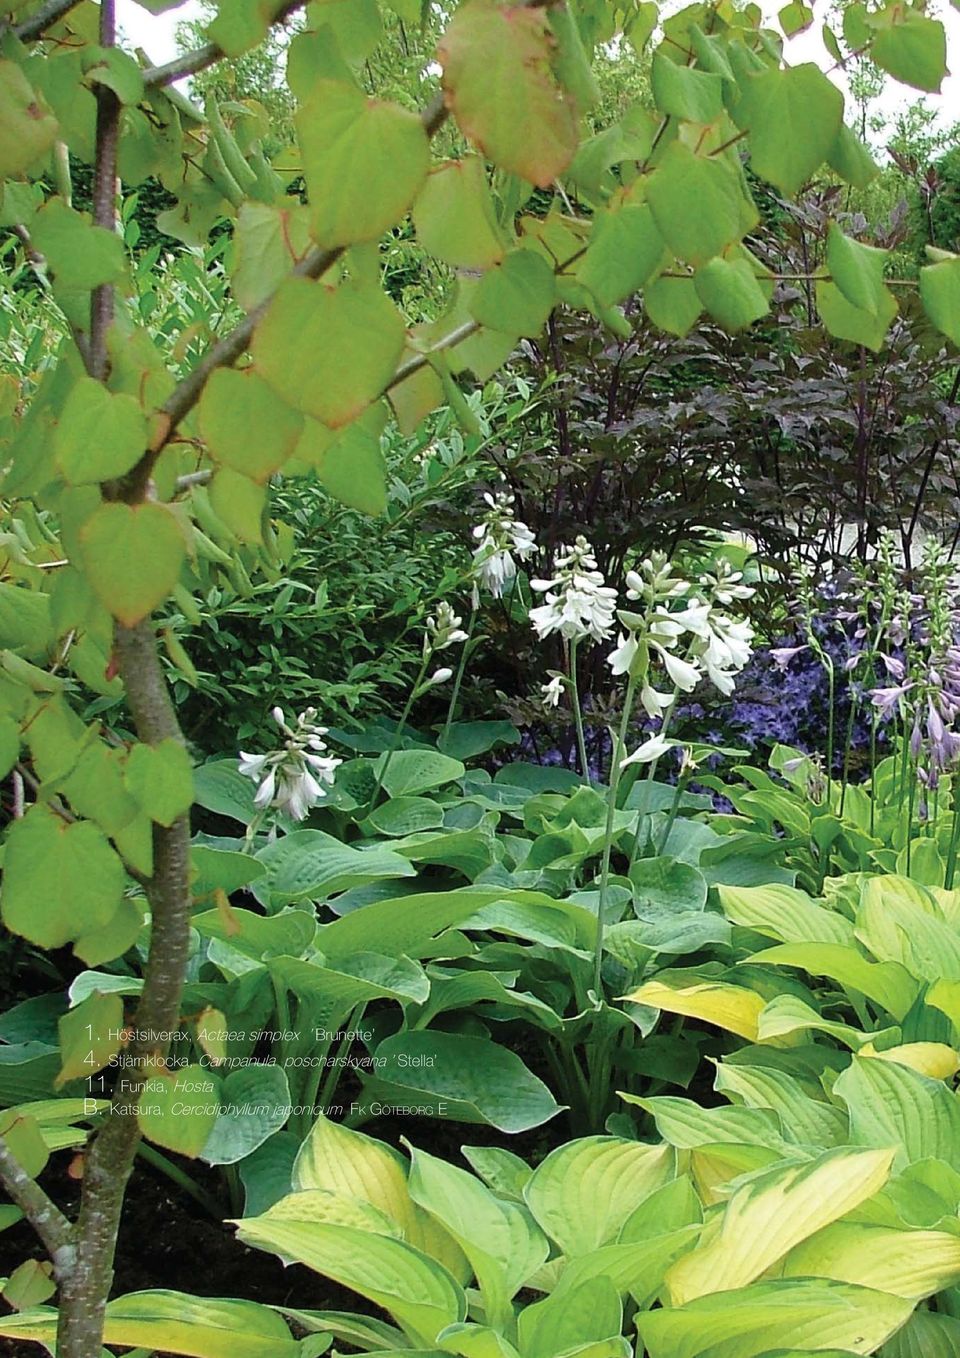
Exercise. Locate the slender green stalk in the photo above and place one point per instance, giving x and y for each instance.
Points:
(831, 698)
(848, 742)
(910, 803)
(951, 867)
(458, 678)
(619, 751)
(398, 734)
(672, 813)
(577, 714)
(651, 774)
(181, 1178)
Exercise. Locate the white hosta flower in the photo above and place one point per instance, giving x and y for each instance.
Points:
(655, 582)
(578, 603)
(443, 629)
(726, 650)
(622, 657)
(440, 676)
(684, 673)
(290, 780)
(654, 703)
(500, 536)
(725, 584)
(650, 750)
(553, 691)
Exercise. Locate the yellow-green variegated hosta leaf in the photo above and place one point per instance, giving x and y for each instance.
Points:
(784, 913)
(800, 1104)
(886, 983)
(892, 1105)
(342, 1161)
(807, 1314)
(584, 1192)
(909, 1264)
(900, 921)
(173, 1322)
(771, 1214)
(935, 1059)
(732, 1007)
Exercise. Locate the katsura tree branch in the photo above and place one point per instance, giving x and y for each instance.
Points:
(46, 16)
(104, 196)
(226, 352)
(207, 55)
(41, 1211)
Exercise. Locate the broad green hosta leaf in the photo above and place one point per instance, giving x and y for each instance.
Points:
(310, 865)
(635, 1268)
(350, 144)
(498, 80)
(769, 1215)
(925, 1335)
(886, 983)
(417, 1291)
(467, 1078)
(341, 1161)
(174, 1322)
(799, 1315)
(407, 924)
(910, 1264)
(734, 1008)
(411, 772)
(455, 989)
(784, 913)
(329, 352)
(455, 218)
(255, 1103)
(586, 1314)
(332, 1209)
(583, 1193)
(810, 1119)
(891, 1105)
(331, 992)
(406, 816)
(899, 921)
(501, 1240)
(787, 1015)
(685, 1125)
(257, 936)
(793, 116)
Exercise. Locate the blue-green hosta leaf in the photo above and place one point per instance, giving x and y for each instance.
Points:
(467, 739)
(770, 1214)
(583, 1193)
(469, 1079)
(267, 1174)
(747, 1322)
(220, 787)
(501, 1240)
(417, 1291)
(406, 816)
(469, 851)
(408, 924)
(664, 886)
(332, 992)
(254, 1103)
(500, 1170)
(784, 913)
(310, 865)
(411, 772)
(891, 1105)
(221, 870)
(909, 1264)
(288, 934)
(452, 989)
(537, 919)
